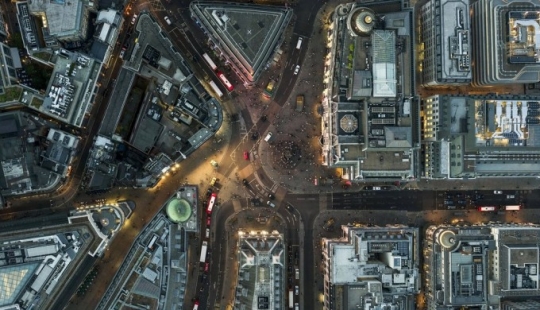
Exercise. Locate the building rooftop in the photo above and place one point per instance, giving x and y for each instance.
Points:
(459, 260)
(372, 261)
(63, 18)
(71, 87)
(368, 120)
(248, 34)
(261, 273)
(470, 128)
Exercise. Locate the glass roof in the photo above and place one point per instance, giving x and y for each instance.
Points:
(13, 278)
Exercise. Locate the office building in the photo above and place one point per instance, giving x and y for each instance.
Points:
(372, 268)
(506, 36)
(369, 128)
(476, 266)
(471, 137)
(244, 36)
(445, 42)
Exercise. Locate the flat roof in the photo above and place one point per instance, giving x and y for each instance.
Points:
(63, 17)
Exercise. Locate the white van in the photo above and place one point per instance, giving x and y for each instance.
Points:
(268, 137)
(299, 43)
(168, 20)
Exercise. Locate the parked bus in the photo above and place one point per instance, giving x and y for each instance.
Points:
(487, 208)
(225, 81)
(291, 299)
(204, 248)
(512, 208)
(216, 89)
(211, 203)
(209, 61)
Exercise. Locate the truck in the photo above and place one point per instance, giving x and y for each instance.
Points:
(204, 248)
(291, 299)
(299, 103)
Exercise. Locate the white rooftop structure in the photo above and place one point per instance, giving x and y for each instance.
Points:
(384, 63)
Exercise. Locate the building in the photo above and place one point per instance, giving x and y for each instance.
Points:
(72, 88)
(470, 137)
(59, 152)
(30, 269)
(108, 25)
(446, 42)
(4, 31)
(245, 36)
(261, 271)
(62, 21)
(372, 268)
(478, 265)
(507, 40)
(368, 124)
(11, 61)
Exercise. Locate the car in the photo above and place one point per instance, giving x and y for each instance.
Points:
(208, 221)
(134, 19)
(246, 155)
(206, 267)
(271, 204)
(268, 137)
(376, 188)
(296, 290)
(207, 233)
(213, 182)
(166, 18)
(122, 52)
(208, 192)
(297, 69)
(497, 192)
(510, 196)
(271, 196)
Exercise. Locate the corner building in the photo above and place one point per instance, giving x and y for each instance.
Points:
(371, 268)
(507, 41)
(493, 266)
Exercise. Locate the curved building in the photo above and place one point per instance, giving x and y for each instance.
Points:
(361, 21)
(178, 210)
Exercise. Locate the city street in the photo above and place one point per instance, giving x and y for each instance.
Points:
(285, 172)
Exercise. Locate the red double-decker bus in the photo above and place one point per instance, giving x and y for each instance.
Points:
(225, 81)
(211, 203)
(486, 208)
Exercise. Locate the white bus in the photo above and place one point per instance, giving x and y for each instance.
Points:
(152, 243)
(291, 299)
(204, 248)
(209, 61)
(216, 89)
(512, 208)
